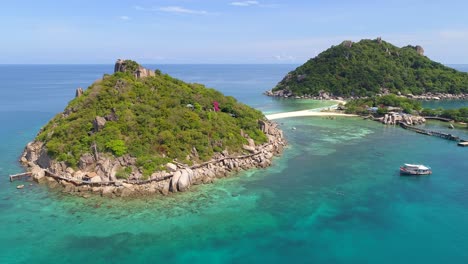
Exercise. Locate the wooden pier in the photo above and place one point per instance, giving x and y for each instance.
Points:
(438, 118)
(20, 176)
(431, 133)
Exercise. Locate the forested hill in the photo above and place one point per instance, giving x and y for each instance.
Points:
(152, 117)
(370, 67)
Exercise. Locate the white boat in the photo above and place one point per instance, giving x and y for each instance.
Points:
(415, 169)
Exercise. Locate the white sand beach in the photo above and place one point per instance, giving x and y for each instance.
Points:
(310, 112)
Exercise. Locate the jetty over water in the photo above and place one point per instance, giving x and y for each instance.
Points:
(20, 176)
(438, 118)
(432, 133)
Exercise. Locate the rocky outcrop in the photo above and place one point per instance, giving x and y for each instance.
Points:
(419, 50)
(97, 174)
(79, 92)
(99, 123)
(35, 152)
(112, 116)
(347, 43)
(143, 72)
(184, 181)
(139, 72)
(383, 91)
(438, 96)
(322, 95)
(279, 93)
(396, 118)
(86, 162)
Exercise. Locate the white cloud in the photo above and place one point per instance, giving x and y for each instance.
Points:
(125, 18)
(284, 58)
(141, 8)
(454, 34)
(245, 3)
(182, 10)
(253, 3)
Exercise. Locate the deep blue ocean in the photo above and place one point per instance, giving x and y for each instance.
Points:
(335, 196)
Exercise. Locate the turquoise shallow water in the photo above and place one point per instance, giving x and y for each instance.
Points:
(334, 196)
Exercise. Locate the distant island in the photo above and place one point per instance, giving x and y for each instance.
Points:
(139, 132)
(372, 67)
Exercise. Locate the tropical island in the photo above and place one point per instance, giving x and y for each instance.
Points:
(372, 67)
(139, 132)
(379, 81)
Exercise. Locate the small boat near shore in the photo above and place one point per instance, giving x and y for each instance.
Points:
(415, 169)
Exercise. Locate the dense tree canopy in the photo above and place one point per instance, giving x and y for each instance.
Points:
(361, 106)
(460, 114)
(363, 68)
(154, 119)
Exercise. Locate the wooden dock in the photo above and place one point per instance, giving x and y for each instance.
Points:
(20, 176)
(443, 119)
(431, 133)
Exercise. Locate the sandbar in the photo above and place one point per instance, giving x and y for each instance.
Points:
(310, 112)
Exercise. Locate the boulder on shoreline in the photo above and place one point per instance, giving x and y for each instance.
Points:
(326, 96)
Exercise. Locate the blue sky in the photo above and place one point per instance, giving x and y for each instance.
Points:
(219, 31)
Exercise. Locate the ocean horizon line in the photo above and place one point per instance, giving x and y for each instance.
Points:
(52, 64)
(75, 64)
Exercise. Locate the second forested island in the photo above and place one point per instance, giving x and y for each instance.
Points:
(371, 67)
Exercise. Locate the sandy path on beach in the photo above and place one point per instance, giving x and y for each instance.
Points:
(310, 112)
(304, 113)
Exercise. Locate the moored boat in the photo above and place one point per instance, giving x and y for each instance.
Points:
(415, 169)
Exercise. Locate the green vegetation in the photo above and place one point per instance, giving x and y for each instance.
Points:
(410, 106)
(459, 115)
(131, 66)
(155, 119)
(369, 65)
(117, 147)
(123, 173)
(360, 106)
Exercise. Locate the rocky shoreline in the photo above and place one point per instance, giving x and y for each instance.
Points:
(326, 96)
(97, 173)
(397, 118)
